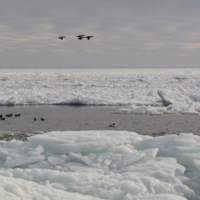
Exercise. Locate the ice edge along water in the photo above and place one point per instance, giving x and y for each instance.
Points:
(117, 165)
(138, 89)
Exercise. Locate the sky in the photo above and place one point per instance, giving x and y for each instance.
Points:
(127, 33)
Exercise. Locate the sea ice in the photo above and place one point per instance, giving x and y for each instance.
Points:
(146, 91)
(115, 165)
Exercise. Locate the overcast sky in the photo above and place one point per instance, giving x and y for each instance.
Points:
(127, 33)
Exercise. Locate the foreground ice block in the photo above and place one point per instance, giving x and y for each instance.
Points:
(116, 165)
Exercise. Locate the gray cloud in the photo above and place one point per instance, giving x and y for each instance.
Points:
(126, 33)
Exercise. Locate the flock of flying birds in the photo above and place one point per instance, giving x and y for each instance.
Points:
(80, 37)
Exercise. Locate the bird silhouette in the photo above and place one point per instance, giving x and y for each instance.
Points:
(61, 37)
(80, 37)
(112, 125)
(88, 37)
(9, 115)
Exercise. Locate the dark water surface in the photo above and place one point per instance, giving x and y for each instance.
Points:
(65, 118)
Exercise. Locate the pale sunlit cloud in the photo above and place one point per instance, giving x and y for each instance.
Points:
(31, 50)
(152, 46)
(192, 46)
(63, 51)
(192, 36)
(92, 50)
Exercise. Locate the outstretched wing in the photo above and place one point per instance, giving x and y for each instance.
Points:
(61, 37)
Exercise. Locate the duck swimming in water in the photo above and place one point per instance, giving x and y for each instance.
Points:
(9, 115)
(112, 125)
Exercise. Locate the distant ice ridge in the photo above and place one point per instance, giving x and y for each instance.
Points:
(91, 165)
(134, 87)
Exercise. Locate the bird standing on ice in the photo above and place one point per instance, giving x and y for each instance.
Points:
(61, 37)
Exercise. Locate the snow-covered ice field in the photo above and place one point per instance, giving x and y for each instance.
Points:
(136, 88)
(105, 164)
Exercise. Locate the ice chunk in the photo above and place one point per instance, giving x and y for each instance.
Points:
(78, 157)
(24, 160)
(157, 197)
(163, 95)
(16, 189)
(128, 159)
(57, 160)
(154, 142)
(133, 188)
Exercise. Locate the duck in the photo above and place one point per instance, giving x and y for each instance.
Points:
(80, 37)
(61, 37)
(35, 119)
(88, 37)
(17, 115)
(112, 125)
(42, 119)
(9, 115)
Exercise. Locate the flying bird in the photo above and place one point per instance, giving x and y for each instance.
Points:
(88, 37)
(61, 37)
(80, 37)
